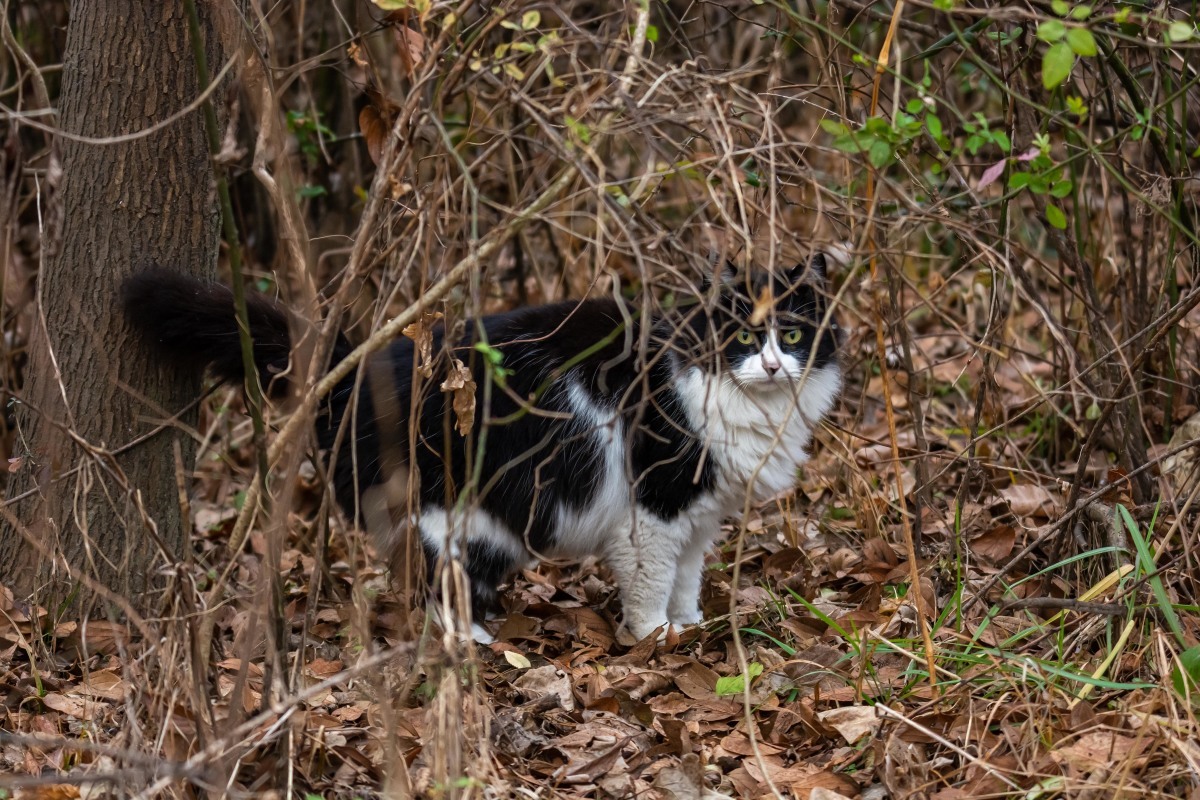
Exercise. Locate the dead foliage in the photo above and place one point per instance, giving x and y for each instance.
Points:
(1040, 378)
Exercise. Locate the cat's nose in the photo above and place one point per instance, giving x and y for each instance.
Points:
(770, 365)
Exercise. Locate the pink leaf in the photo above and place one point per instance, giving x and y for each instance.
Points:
(992, 173)
(1029, 155)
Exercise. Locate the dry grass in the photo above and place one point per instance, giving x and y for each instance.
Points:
(1042, 381)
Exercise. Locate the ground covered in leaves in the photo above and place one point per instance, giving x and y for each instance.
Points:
(1068, 686)
(1008, 205)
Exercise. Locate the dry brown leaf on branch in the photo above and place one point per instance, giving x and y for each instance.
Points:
(410, 44)
(421, 333)
(462, 384)
(374, 131)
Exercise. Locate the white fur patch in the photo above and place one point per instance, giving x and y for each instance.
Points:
(445, 532)
(757, 434)
(584, 531)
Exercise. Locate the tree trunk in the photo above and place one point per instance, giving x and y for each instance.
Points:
(92, 389)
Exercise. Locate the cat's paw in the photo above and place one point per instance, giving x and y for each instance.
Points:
(685, 619)
(641, 629)
(480, 634)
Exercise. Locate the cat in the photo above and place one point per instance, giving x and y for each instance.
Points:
(603, 433)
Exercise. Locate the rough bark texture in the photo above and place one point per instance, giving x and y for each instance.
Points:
(120, 206)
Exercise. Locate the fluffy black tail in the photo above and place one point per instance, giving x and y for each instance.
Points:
(192, 323)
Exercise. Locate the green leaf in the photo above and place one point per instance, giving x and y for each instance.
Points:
(1147, 566)
(1060, 7)
(581, 131)
(1057, 64)
(833, 127)
(1018, 180)
(1186, 677)
(1051, 31)
(877, 126)
(1061, 189)
(914, 105)
(1002, 141)
(880, 153)
(530, 20)
(1081, 12)
(736, 684)
(1081, 41)
(934, 125)
(652, 34)
(1056, 217)
(847, 143)
(1180, 31)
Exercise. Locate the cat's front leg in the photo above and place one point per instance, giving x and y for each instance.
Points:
(645, 558)
(684, 606)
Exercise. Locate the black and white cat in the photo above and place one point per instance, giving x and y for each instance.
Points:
(603, 432)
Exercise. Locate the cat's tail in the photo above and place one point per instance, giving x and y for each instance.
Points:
(192, 324)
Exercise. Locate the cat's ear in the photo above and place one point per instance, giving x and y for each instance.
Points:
(812, 273)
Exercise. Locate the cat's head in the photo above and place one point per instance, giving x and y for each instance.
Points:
(768, 330)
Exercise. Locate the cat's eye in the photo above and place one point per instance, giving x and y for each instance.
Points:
(745, 337)
(793, 337)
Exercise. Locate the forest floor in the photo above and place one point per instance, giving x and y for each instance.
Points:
(1066, 683)
(1048, 648)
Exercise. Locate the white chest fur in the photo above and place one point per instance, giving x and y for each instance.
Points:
(757, 438)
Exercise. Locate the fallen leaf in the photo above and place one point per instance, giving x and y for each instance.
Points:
(1028, 500)
(685, 782)
(995, 544)
(104, 683)
(518, 660)
(544, 681)
(321, 669)
(70, 705)
(50, 791)
(1098, 750)
(851, 722)
(697, 681)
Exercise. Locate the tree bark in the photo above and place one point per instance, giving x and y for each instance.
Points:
(94, 500)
